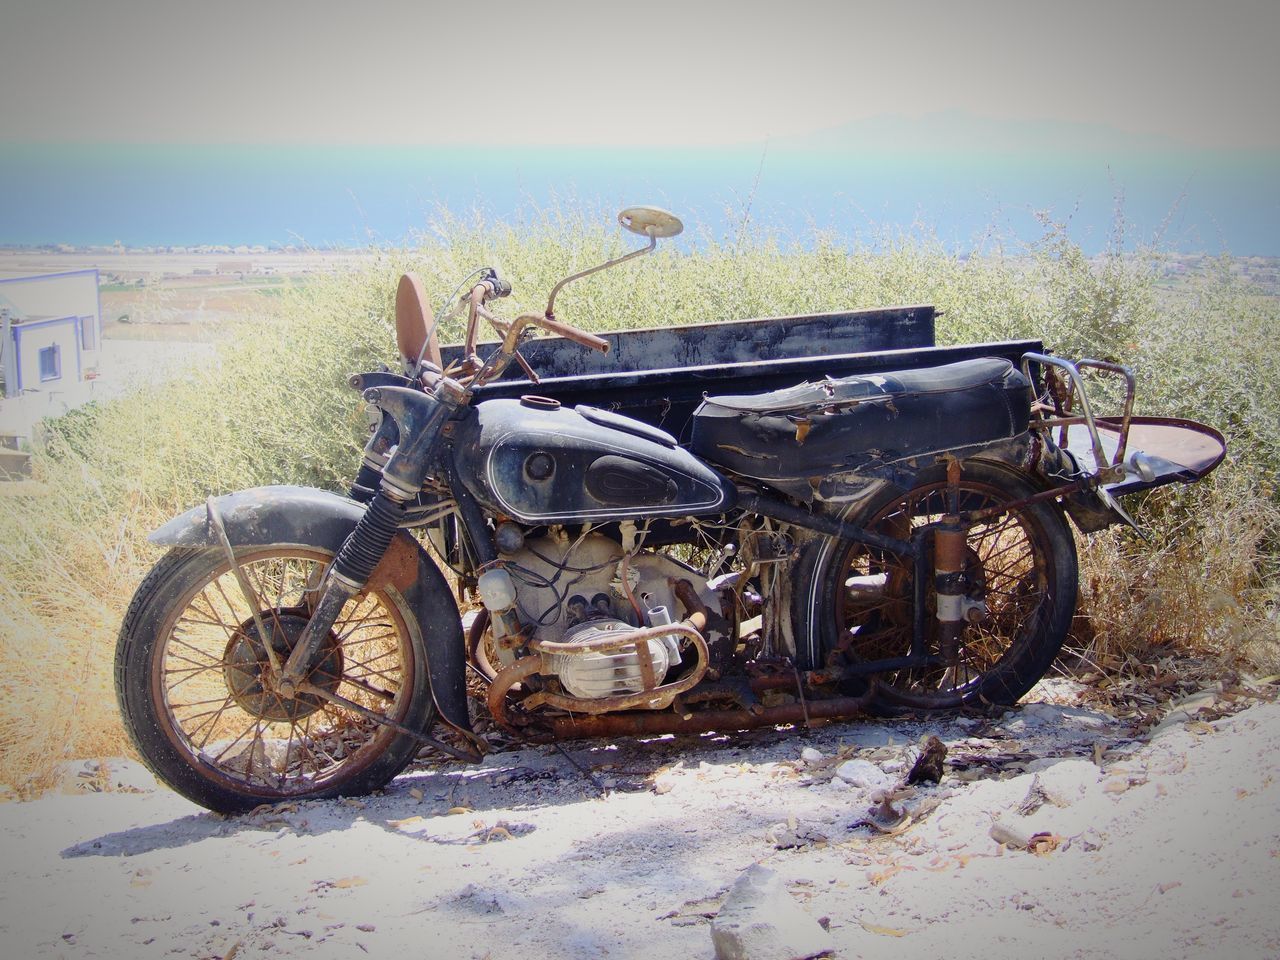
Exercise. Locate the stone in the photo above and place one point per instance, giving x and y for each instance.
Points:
(863, 774)
(760, 921)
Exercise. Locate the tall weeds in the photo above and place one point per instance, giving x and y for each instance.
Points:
(275, 408)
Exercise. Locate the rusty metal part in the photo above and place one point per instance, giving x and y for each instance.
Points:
(1191, 450)
(415, 331)
(551, 300)
(398, 567)
(1130, 390)
(425, 738)
(949, 546)
(476, 652)
(473, 318)
(528, 370)
(644, 659)
(655, 698)
(250, 597)
(654, 724)
(1108, 472)
(804, 706)
(248, 675)
(699, 614)
(506, 681)
(980, 516)
(739, 690)
(621, 639)
(950, 553)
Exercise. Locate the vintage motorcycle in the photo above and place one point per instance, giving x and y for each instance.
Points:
(813, 547)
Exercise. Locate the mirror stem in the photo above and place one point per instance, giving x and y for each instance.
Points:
(551, 300)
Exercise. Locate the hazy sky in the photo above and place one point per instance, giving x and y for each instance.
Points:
(652, 72)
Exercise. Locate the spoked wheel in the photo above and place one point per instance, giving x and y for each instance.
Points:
(197, 692)
(1019, 580)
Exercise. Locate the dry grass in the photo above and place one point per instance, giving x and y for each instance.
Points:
(72, 543)
(68, 571)
(1204, 585)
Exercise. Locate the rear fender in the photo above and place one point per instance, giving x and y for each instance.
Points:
(307, 517)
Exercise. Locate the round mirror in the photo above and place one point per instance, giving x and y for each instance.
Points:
(651, 222)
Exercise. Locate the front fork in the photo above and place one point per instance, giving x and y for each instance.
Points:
(420, 418)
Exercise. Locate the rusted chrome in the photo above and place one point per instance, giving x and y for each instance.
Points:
(655, 698)
(551, 300)
(415, 327)
(1130, 390)
(654, 724)
(473, 318)
(250, 597)
(1183, 451)
(385, 721)
(1108, 472)
(950, 548)
(619, 640)
(505, 682)
(978, 516)
(644, 660)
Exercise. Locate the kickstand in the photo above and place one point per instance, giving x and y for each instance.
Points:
(595, 781)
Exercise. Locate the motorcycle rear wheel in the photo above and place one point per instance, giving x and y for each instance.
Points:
(193, 681)
(1021, 564)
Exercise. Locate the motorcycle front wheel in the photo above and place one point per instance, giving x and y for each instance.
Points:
(1020, 573)
(194, 680)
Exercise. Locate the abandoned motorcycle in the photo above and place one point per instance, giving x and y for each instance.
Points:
(886, 539)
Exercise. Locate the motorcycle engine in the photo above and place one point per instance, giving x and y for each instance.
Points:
(609, 674)
(569, 590)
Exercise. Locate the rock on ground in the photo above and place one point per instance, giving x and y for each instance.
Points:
(760, 921)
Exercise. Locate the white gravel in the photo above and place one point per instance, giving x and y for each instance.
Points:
(1168, 848)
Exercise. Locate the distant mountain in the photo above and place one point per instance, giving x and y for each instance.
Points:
(959, 131)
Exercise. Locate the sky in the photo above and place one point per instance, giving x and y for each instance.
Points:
(657, 72)
(1014, 104)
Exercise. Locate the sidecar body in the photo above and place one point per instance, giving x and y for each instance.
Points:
(662, 375)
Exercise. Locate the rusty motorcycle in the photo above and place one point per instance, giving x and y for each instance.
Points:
(709, 527)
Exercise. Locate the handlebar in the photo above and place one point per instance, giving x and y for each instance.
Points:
(491, 286)
(572, 333)
(498, 288)
(512, 340)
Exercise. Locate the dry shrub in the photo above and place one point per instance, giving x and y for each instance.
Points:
(276, 409)
(66, 581)
(1204, 584)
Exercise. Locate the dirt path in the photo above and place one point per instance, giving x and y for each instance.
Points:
(1164, 847)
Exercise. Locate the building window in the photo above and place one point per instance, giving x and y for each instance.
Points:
(51, 363)
(88, 334)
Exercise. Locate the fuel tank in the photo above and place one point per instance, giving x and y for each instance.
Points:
(540, 463)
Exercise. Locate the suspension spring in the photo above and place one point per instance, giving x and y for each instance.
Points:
(367, 544)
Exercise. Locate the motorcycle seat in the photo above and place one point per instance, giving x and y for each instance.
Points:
(837, 426)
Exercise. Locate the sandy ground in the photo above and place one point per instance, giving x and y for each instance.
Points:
(1163, 846)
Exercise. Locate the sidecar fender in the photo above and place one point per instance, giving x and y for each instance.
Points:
(308, 517)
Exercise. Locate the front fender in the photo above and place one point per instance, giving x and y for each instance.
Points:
(308, 517)
(262, 515)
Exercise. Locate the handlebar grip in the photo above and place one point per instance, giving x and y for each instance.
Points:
(498, 287)
(574, 334)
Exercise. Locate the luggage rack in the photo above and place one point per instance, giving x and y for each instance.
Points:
(1127, 453)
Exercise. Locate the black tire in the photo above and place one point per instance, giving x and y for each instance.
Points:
(188, 669)
(853, 603)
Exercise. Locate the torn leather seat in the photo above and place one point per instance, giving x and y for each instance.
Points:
(836, 426)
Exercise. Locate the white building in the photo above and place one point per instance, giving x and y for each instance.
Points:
(50, 351)
(50, 331)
